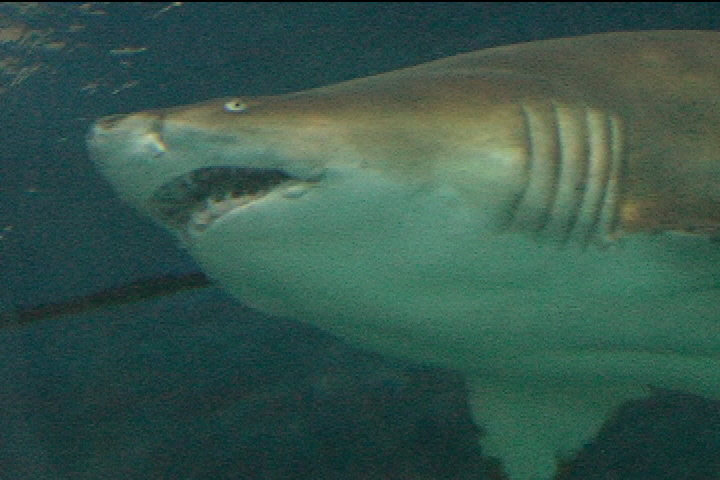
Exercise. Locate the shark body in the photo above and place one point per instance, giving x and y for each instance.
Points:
(541, 217)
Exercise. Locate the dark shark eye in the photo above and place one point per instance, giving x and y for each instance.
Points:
(235, 105)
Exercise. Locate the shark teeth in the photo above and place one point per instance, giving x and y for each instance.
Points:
(192, 202)
(214, 209)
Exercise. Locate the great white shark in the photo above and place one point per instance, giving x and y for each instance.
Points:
(542, 217)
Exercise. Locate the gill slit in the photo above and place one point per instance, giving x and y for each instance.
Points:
(571, 174)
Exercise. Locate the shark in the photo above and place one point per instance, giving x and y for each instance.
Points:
(542, 217)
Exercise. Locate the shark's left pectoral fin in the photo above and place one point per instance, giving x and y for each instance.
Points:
(532, 427)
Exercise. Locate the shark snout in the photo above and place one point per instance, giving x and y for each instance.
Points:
(135, 134)
(135, 123)
(107, 123)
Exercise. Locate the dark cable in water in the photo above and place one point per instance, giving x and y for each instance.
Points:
(136, 291)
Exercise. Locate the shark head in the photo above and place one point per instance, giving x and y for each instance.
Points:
(350, 187)
(536, 216)
(271, 151)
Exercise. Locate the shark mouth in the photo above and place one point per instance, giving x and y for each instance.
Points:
(195, 200)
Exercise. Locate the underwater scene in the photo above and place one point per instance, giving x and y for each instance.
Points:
(245, 282)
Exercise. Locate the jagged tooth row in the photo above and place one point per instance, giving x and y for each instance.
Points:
(199, 197)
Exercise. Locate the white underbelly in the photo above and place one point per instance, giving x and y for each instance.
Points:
(645, 310)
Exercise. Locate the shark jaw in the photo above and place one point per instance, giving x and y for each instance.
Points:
(184, 190)
(193, 202)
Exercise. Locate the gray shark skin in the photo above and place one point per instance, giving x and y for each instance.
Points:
(541, 217)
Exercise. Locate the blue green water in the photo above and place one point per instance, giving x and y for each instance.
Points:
(195, 386)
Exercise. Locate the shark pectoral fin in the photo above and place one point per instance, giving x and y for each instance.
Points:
(531, 426)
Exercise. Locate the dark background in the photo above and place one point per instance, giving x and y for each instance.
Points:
(195, 386)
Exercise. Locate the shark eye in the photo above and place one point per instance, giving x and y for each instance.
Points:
(235, 105)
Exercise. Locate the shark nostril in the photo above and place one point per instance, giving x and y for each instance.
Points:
(110, 121)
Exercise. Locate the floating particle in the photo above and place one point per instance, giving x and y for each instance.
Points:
(90, 9)
(59, 45)
(124, 86)
(121, 51)
(5, 230)
(12, 33)
(166, 8)
(90, 87)
(24, 73)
